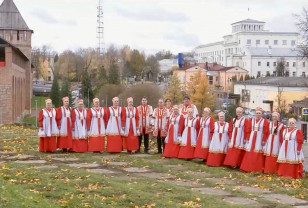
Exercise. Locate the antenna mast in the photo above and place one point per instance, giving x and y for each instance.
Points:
(100, 27)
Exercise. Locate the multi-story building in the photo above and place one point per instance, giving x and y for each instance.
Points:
(15, 64)
(255, 49)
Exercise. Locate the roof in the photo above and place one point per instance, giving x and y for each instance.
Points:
(5, 43)
(300, 103)
(248, 21)
(278, 81)
(225, 69)
(10, 17)
(280, 52)
(210, 44)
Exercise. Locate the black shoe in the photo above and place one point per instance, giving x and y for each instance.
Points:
(138, 151)
(146, 151)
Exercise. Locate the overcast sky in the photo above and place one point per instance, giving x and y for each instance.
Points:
(150, 25)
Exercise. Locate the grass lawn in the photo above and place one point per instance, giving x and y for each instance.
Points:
(27, 185)
(40, 102)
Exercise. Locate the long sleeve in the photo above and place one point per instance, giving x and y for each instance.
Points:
(212, 132)
(73, 117)
(106, 116)
(41, 118)
(230, 128)
(181, 125)
(167, 124)
(212, 125)
(281, 134)
(123, 117)
(89, 117)
(300, 139)
(247, 129)
(197, 126)
(137, 117)
(265, 130)
(58, 116)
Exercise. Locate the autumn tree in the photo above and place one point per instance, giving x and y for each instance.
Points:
(152, 66)
(302, 25)
(199, 91)
(164, 55)
(281, 68)
(174, 89)
(137, 63)
(66, 90)
(113, 73)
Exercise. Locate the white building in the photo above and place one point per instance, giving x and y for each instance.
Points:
(166, 65)
(255, 49)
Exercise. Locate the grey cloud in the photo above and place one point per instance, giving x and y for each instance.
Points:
(48, 18)
(183, 39)
(150, 13)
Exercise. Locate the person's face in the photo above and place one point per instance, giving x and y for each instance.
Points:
(116, 102)
(96, 103)
(161, 103)
(176, 111)
(186, 101)
(239, 113)
(221, 118)
(144, 101)
(206, 113)
(258, 114)
(80, 105)
(168, 103)
(66, 102)
(275, 117)
(190, 112)
(130, 103)
(48, 104)
(291, 123)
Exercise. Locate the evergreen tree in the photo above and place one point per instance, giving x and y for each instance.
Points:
(247, 77)
(66, 90)
(268, 74)
(199, 91)
(55, 93)
(113, 74)
(174, 89)
(86, 89)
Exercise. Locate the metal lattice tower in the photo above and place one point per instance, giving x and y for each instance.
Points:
(100, 28)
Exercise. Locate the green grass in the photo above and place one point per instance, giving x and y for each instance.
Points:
(40, 102)
(27, 186)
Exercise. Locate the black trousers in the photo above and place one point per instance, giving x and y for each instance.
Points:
(146, 141)
(160, 143)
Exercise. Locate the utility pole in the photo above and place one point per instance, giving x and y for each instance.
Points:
(100, 28)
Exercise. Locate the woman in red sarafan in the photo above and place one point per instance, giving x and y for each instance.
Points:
(64, 120)
(172, 146)
(253, 160)
(291, 157)
(189, 136)
(114, 127)
(219, 143)
(80, 138)
(130, 126)
(48, 130)
(273, 144)
(238, 133)
(96, 119)
(204, 135)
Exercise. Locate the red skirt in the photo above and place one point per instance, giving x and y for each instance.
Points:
(48, 144)
(131, 142)
(171, 149)
(290, 170)
(253, 162)
(64, 142)
(114, 143)
(187, 152)
(270, 164)
(80, 145)
(201, 153)
(234, 157)
(215, 159)
(96, 144)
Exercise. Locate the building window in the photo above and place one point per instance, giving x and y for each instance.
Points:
(303, 74)
(25, 35)
(239, 41)
(294, 64)
(287, 64)
(248, 41)
(259, 74)
(11, 35)
(304, 64)
(216, 78)
(258, 42)
(284, 42)
(267, 64)
(266, 42)
(294, 74)
(275, 42)
(211, 80)
(274, 63)
(18, 35)
(293, 42)
(259, 63)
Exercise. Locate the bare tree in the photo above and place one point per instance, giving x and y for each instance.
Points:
(302, 24)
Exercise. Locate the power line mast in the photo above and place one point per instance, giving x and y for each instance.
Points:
(100, 28)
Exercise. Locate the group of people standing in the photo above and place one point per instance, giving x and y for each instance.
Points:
(253, 145)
